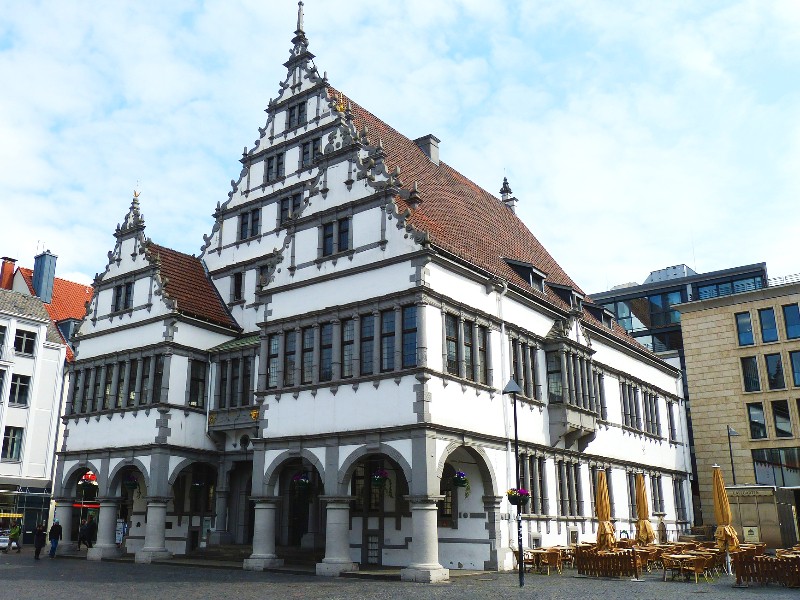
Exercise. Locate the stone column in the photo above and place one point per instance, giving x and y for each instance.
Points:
(221, 535)
(106, 546)
(263, 555)
(154, 536)
(337, 538)
(64, 516)
(424, 567)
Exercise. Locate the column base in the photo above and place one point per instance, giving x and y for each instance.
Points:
(425, 575)
(334, 569)
(261, 563)
(148, 556)
(101, 552)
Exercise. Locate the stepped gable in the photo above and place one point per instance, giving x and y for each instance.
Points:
(464, 219)
(185, 281)
(460, 216)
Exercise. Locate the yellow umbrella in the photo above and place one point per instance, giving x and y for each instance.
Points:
(644, 529)
(726, 534)
(605, 529)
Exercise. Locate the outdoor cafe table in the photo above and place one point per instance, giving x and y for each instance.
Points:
(681, 558)
(536, 554)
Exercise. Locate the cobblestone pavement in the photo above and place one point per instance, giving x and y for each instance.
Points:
(64, 579)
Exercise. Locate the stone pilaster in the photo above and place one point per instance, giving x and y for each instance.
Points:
(337, 544)
(263, 555)
(105, 546)
(424, 567)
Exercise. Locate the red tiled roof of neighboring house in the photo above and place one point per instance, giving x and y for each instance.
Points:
(68, 302)
(187, 283)
(467, 221)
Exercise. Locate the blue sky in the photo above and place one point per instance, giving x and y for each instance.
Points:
(636, 135)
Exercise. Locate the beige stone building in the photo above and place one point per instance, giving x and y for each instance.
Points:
(743, 368)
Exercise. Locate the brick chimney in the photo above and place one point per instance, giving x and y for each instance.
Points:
(7, 273)
(44, 272)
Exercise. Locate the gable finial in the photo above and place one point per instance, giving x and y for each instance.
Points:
(505, 191)
(299, 17)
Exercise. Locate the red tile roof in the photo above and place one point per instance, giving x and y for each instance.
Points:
(467, 221)
(68, 302)
(187, 283)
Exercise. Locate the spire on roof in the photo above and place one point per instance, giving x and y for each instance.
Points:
(299, 18)
(506, 197)
(133, 221)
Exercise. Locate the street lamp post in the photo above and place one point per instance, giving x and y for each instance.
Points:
(732, 433)
(513, 389)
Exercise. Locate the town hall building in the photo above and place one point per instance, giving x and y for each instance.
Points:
(314, 379)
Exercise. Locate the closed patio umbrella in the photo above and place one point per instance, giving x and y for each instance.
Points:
(605, 529)
(644, 529)
(726, 534)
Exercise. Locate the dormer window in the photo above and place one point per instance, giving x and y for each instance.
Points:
(296, 115)
(533, 276)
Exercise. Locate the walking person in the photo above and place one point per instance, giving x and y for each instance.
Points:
(55, 537)
(39, 540)
(82, 534)
(14, 536)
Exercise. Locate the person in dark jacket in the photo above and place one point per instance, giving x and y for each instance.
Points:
(39, 540)
(91, 532)
(55, 537)
(82, 534)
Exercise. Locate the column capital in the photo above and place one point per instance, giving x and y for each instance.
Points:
(157, 499)
(265, 499)
(422, 500)
(109, 500)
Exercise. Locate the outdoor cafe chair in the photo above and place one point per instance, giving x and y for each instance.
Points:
(551, 559)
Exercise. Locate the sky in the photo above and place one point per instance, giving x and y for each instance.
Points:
(636, 135)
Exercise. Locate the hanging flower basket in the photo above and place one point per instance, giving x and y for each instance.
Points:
(518, 496)
(460, 480)
(381, 481)
(301, 483)
(131, 482)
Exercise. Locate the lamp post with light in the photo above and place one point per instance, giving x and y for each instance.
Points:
(513, 388)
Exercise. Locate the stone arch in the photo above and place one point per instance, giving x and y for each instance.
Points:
(273, 471)
(481, 460)
(173, 476)
(128, 462)
(85, 465)
(349, 465)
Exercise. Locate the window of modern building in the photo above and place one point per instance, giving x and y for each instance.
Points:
(289, 358)
(20, 389)
(326, 352)
(12, 443)
(777, 466)
(290, 207)
(781, 418)
(726, 288)
(661, 311)
(249, 224)
(307, 356)
(309, 150)
(348, 346)
(122, 297)
(680, 498)
(274, 168)
(24, 341)
(758, 424)
(774, 371)
(633, 314)
(744, 329)
(769, 328)
(237, 287)
(387, 340)
(197, 384)
(296, 115)
(750, 373)
(367, 344)
(794, 358)
(409, 337)
(791, 319)
(451, 343)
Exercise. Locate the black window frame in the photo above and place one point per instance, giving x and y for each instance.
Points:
(24, 342)
(197, 383)
(12, 449)
(289, 358)
(773, 363)
(348, 337)
(750, 375)
(273, 357)
(388, 334)
(758, 429)
(744, 329)
(781, 418)
(326, 352)
(307, 355)
(773, 329)
(409, 339)
(19, 393)
(367, 340)
(452, 353)
(791, 321)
